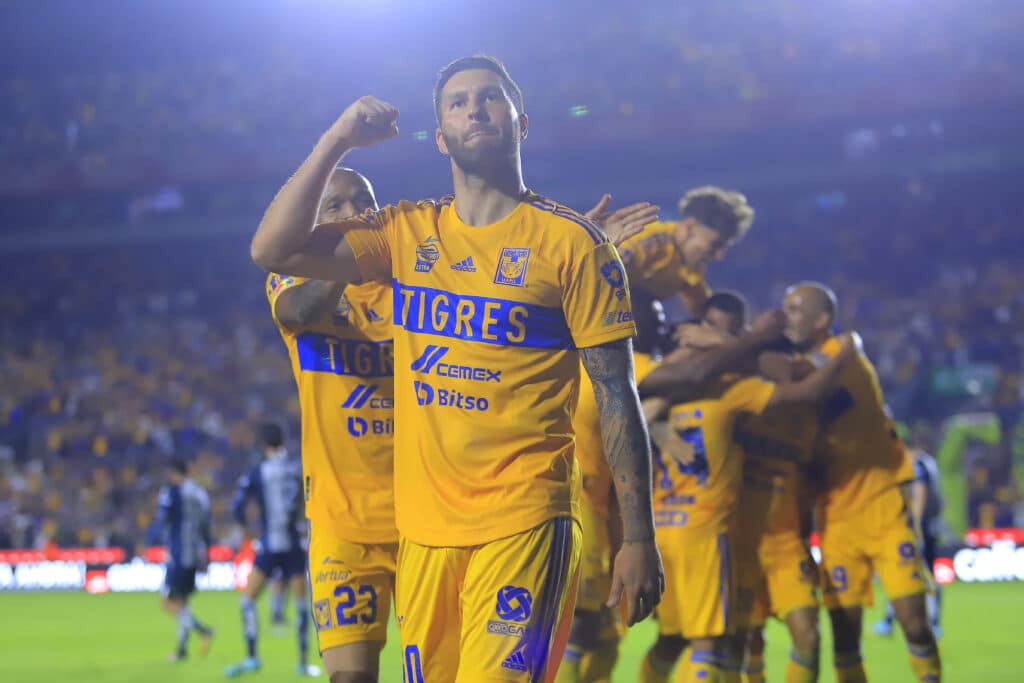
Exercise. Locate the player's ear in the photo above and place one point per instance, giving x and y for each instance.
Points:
(442, 146)
(524, 126)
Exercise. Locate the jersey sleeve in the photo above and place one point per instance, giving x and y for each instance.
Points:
(595, 300)
(750, 395)
(371, 241)
(276, 286)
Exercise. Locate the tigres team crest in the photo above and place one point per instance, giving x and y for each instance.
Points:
(512, 266)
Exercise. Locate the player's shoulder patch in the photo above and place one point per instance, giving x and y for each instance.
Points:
(591, 227)
(277, 283)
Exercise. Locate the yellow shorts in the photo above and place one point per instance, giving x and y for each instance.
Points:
(595, 559)
(494, 612)
(784, 578)
(699, 586)
(877, 539)
(352, 585)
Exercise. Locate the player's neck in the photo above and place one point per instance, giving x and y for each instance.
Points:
(483, 200)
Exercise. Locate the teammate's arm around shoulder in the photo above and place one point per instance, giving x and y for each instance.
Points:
(307, 303)
(814, 386)
(638, 572)
(286, 241)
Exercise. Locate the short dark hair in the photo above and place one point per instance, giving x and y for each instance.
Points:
(732, 303)
(650, 324)
(271, 434)
(476, 62)
(178, 464)
(721, 210)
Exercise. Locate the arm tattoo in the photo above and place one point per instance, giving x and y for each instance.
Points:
(307, 303)
(626, 443)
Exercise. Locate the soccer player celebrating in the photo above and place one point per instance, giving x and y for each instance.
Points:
(594, 639)
(275, 485)
(499, 294)
(339, 342)
(668, 260)
(862, 514)
(926, 505)
(182, 524)
(776, 571)
(697, 478)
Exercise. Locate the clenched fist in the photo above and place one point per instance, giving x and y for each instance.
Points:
(366, 122)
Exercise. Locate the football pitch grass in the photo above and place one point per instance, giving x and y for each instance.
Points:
(124, 638)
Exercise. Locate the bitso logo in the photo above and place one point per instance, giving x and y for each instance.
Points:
(357, 426)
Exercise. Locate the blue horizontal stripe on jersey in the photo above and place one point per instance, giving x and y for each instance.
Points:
(358, 358)
(487, 320)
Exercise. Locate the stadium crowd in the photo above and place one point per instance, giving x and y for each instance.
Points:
(98, 390)
(104, 122)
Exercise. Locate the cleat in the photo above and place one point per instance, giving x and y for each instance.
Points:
(247, 665)
(884, 628)
(308, 670)
(176, 657)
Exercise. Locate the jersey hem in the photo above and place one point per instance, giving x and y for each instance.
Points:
(476, 536)
(605, 337)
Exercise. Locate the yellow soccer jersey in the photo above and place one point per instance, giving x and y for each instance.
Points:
(597, 477)
(860, 451)
(343, 367)
(700, 494)
(655, 264)
(489, 320)
(778, 445)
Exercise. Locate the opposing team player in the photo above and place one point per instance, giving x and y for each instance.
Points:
(862, 515)
(697, 479)
(275, 485)
(339, 342)
(182, 524)
(500, 294)
(669, 259)
(926, 505)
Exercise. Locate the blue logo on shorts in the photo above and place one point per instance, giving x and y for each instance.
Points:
(514, 603)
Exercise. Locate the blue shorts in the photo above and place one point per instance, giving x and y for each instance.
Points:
(179, 582)
(290, 563)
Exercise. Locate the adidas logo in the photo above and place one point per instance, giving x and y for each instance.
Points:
(466, 265)
(515, 661)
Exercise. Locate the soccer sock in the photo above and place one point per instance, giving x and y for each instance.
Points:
(597, 666)
(183, 629)
(925, 663)
(277, 602)
(700, 667)
(935, 605)
(569, 669)
(302, 624)
(850, 668)
(654, 670)
(802, 667)
(250, 625)
(753, 669)
(186, 618)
